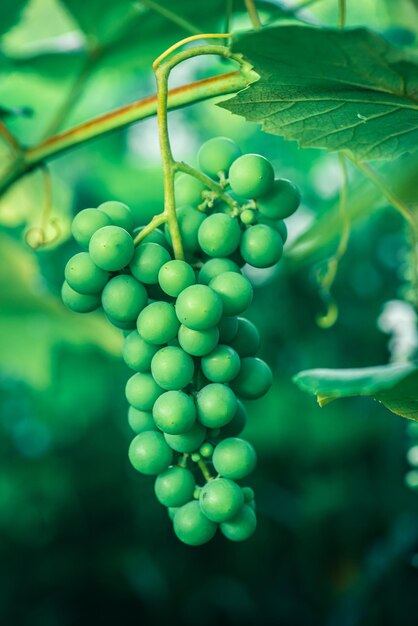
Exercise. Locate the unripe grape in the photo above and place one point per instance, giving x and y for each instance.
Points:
(214, 267)
(119, 213)
(78, 302)
(198, 342)
(251, 176)
(221, 499)
(281, 202)
(219, 235)
(188, 190)
(248, 216)
(217, 155)
(228, 328)
(247, 338)
(189, 220)
(140, 421)
(189, 441)
(142, 391)
(174, 276)
(206, 450)
(216, 405)
(172, 368)
(174, 412)
(85, 223)
(175, 486)
(282, 230)
(158, 323)
(248, 494)
(221, 365)
(237, 424)
(137, 353)
(111, 248)
(235, 291)
(198, 307)
(83, 275)
(149, 453)
(242, 526)
(155, 236)
(234, 458)
(147, 261)
(123, 298)
(191, 526)
(261, 246)
(254, 379)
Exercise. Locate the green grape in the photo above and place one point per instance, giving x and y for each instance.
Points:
(281, 202)
(174, 412)
(111, 248)
(158, 323)
(234, 458)
(214, 267)
(282, 229)
(119, 213)
(251, 176)
(228, 328)
(242, 526)
(126, 326)
(247, 338)
(248, 216)
(206, 450)
(172, 368)
(140, 421)
(254, 379)
(147, 261)
(149, 453)
(235, 291)
(84, 276)
(155, 236)
(188, 441)
(278, 225)
(237, 424)
(195, 457)
(137, 353)
(198, 307)
(175, 276)
(198, 342)
(123, 298)
(156, 293)
(248, 494)
(221, 499)
(172, 511)
(188, 190)
(219, 235)
(261, 246)
(142, 391)
(175, 486)
(189, 221)
(216, 405)
(217, 155)
(221, 365)
(79, 302)
(85, 223)
(191, 526)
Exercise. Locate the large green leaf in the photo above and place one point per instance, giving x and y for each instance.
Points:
(394, 385)
(340, 90)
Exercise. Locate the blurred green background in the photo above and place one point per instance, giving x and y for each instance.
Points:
(82, 538)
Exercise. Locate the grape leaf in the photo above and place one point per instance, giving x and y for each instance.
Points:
(341, 90)
(394, 385)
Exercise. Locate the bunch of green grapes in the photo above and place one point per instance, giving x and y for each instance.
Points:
(192, 352)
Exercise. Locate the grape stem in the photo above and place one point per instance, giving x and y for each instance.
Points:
(208, 182)
(29, 159)
(156, 221)
(163, 65)
(204, 469)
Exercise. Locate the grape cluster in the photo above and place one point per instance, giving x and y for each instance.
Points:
(192, 352)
